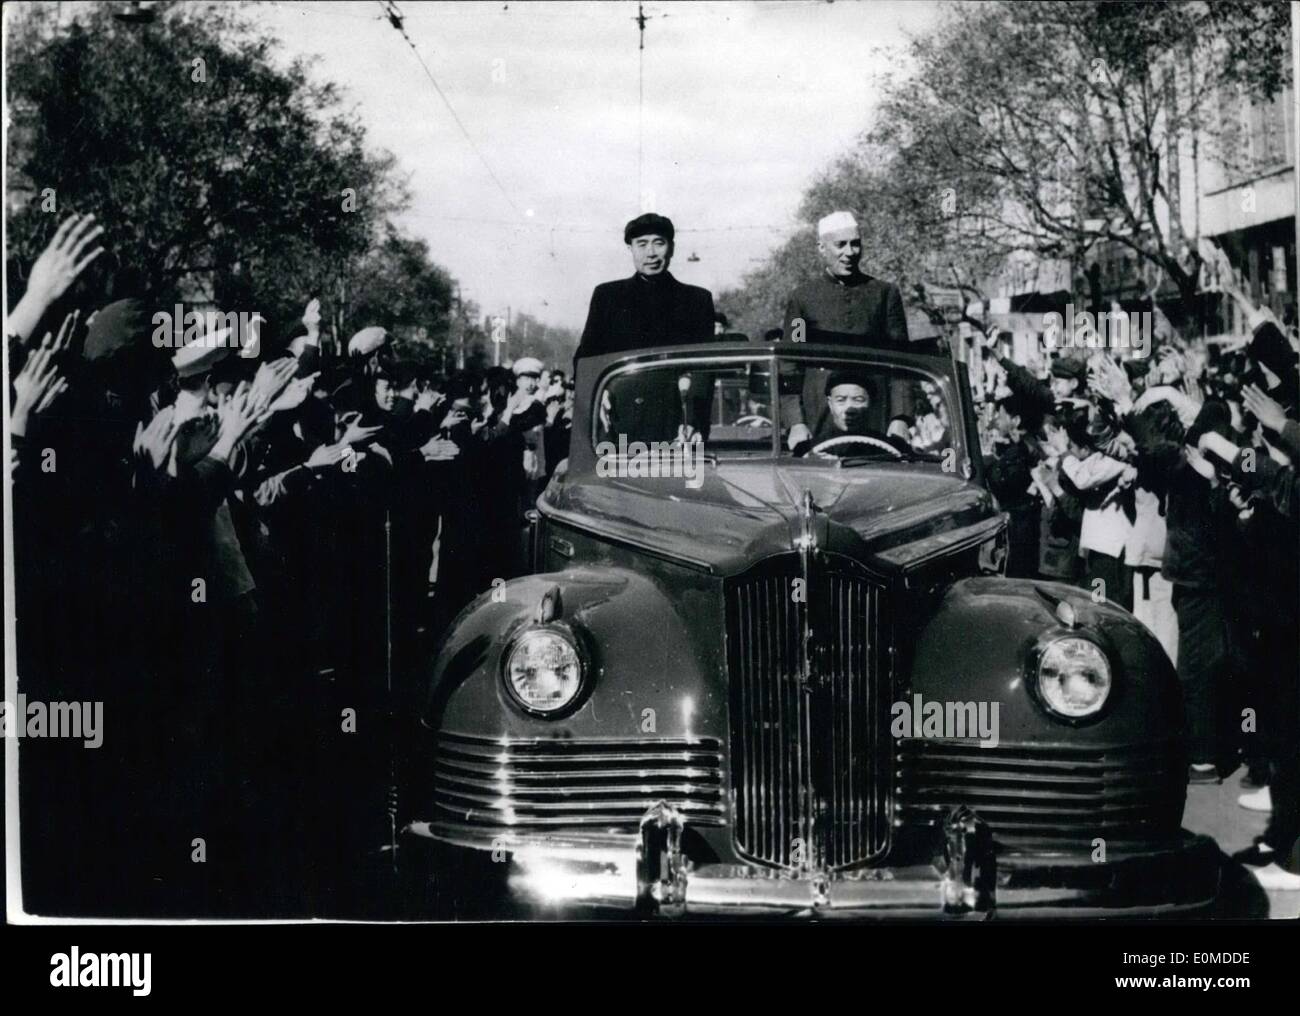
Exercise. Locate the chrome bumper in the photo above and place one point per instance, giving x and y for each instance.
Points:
(651, 873)
(964, 885)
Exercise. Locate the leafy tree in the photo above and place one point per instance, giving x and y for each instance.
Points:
(214, 170)
(1060, 127)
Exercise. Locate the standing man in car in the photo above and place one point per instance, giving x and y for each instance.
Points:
(842, 305)
(651, 308)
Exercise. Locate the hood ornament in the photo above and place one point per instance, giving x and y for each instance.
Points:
(807, 545)
(807, 539)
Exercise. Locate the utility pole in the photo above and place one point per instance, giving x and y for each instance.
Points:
(640, 101)
(1295, 91)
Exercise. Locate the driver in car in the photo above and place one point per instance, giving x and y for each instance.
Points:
(848, 402)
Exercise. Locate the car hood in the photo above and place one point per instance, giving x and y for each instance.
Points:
(744, 512)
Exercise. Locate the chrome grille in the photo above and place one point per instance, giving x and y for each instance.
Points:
(809, 760)
(609, 784)
(1046, 795)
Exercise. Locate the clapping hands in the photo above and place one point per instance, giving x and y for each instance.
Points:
(354, 432)
(1108, 380)
(428, 399)
(238, 414)
(270, 380)
(325, 456)
(153, 443)
(1269, 412)
(294, 395)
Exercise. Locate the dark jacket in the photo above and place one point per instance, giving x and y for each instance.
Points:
(645, 311)
(861, 311)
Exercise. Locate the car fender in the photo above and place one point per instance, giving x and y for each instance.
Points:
(979, 645)
(653, 662)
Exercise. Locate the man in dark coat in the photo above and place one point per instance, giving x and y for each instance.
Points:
(651, 308)
(840, 305)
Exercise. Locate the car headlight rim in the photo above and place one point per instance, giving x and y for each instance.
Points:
(531, 640)
(1074, 680)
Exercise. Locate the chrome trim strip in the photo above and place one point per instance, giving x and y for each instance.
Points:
(586, 525)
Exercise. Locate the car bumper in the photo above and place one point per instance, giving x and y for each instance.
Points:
(562, 876)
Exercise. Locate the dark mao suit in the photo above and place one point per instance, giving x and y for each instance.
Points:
(649, 311)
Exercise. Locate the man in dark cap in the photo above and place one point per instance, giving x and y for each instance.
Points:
(651, 308)
(848, 413)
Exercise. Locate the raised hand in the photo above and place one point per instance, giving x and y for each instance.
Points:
(438, 449)
(355, 432)
(454, 416)
(294, 395)
(427, 399)
(237, 415)
(270, 380)
(65, 257)
(36, 386)
(1266, 410)
(1108, 379)
(153, 443)
(57, 267)
(325, 456)
(311, 318)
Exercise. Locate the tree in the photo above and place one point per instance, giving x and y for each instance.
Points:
(1058, 128)
(211, 169)
(398, 286)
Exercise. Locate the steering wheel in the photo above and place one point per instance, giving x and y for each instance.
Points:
(833, 442)
(753, 420)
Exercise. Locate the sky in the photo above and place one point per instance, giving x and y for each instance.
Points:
(743, 104)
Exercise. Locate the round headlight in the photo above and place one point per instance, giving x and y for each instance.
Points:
(1074, 677)
(544, 671)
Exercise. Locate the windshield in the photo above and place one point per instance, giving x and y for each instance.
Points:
(839, 412)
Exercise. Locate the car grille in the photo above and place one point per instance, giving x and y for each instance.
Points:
(609, 784)
(809, 763)
(1044, 795)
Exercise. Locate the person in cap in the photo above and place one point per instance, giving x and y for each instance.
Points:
(1009, 473)
(840, 305)
(526, 414)
(848, 412)
(366, 341)
(651, 308)
(722, 329)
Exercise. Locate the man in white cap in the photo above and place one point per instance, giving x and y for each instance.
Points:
(528, 412)
(840, 305)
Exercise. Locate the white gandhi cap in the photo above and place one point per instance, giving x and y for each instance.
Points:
(838, 225)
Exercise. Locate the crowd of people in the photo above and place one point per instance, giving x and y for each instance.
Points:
(1168, 485)
(247, 555)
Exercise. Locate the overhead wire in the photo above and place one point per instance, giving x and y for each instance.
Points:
(397, 19)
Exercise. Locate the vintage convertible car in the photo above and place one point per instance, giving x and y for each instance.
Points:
(745, 680)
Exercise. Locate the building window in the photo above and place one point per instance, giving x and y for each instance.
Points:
(1262, 132)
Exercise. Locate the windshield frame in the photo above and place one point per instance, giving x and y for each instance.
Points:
(889, 360)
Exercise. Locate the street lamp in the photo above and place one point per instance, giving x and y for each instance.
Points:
(135, 13)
